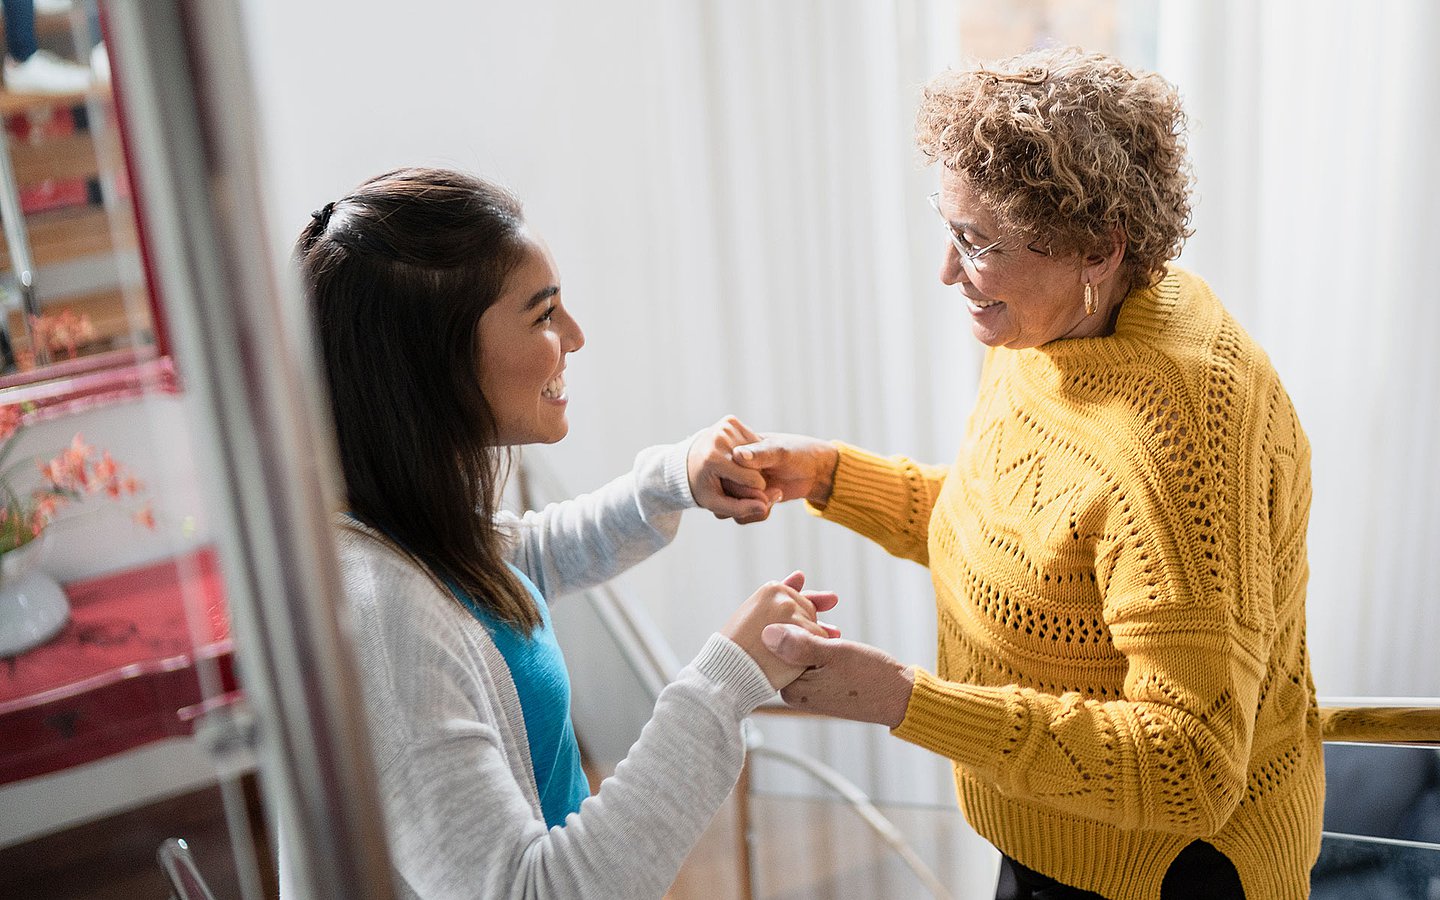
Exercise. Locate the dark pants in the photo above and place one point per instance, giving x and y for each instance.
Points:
(1200, 872)
(20, 40)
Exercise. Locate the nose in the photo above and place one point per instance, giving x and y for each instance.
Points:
(952, 267)
(571, 337)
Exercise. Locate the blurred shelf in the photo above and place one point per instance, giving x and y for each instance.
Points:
(54, 159)
(122, 670)
(107, 312)
(62, 234)
(14, 104)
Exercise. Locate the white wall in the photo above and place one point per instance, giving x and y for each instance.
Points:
(149, 436)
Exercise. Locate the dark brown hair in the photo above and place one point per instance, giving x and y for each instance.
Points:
(398, 274)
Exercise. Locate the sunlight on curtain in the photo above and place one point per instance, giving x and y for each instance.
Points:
(1313, 141)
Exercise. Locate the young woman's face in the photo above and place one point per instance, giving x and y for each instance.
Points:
(523, 339)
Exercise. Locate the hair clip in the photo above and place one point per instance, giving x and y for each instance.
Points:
(323, 214)
(1032, 75)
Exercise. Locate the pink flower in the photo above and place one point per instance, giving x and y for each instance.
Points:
(9, 420)
(106, 469)
(68, 470)
(77, 471)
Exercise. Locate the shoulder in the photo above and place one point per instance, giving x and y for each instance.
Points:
(405, 621)
(1201, 338)
(418, 650)
(377, 575)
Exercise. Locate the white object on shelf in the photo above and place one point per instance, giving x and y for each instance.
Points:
(33, 607)
(46, 73)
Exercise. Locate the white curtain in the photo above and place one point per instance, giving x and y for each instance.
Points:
(1314, 133)
(738, 213)
(788, 258)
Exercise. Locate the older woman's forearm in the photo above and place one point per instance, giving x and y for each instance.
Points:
(1127, 764)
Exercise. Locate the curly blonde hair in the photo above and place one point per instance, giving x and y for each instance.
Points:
(1068, 147)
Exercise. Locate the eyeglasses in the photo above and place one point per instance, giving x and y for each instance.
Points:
(969, 251)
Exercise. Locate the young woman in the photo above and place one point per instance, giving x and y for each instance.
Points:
(445, 340)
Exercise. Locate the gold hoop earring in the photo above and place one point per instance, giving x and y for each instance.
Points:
(1089, 299)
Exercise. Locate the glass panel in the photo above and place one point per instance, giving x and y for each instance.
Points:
(115, 732)
(1382, 823)
(73, 296)
(1351, 866)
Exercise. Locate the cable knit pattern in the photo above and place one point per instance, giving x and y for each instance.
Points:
(1119, 564)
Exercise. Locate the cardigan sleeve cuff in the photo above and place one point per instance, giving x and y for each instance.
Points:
(662, 478)
(722, 661)
(972, 725)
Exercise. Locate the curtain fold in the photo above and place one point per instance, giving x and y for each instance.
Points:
(1313, 136)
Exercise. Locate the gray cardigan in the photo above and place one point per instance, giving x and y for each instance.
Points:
(449, 741)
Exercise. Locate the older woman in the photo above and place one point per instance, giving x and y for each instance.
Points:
(1118, 552)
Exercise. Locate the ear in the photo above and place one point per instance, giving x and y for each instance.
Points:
(1097, 267)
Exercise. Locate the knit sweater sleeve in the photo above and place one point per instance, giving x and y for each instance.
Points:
(886, 499)
(1186, 586)
(576, 544)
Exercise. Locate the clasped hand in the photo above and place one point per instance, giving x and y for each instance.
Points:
(738, 474)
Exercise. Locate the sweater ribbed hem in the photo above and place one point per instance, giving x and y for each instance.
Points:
(1116, 863)
(722, 661)
(1273, 847)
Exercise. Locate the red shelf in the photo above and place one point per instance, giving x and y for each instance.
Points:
(120, 672)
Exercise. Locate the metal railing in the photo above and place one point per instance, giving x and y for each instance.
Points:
(653, 665)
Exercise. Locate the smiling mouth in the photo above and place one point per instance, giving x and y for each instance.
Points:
(554, 388)
(979, 303)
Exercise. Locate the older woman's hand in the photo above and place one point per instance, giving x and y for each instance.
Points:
(721, 485)
(845, 679)
(793, 466)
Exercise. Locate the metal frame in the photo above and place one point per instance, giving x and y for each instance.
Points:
(243, 345)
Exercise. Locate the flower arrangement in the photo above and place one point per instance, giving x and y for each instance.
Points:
(78, 472)
(64, 331)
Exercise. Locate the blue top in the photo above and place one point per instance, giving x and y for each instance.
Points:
(538, 669)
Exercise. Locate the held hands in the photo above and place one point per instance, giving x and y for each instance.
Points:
(791, 466)
(780, 604)
(845, 679)
(738, 474)
(718, 482)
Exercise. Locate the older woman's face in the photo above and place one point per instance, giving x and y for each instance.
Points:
(1016, 297)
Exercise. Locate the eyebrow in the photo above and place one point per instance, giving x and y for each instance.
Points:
(541, 296)
(961, 227)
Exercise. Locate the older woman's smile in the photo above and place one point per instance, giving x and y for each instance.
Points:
(981, 304)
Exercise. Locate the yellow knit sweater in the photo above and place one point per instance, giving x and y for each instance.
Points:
(1119, 563)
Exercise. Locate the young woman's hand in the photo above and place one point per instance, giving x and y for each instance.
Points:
(718, 482)
(792, 466)
(784, 603)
